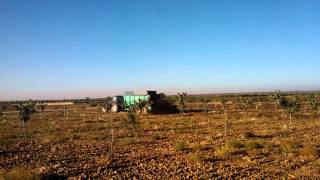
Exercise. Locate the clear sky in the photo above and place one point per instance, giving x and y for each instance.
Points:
(79, 48)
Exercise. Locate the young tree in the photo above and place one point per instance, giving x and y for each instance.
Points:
(315, 105)
(181, 101)
(223, 101)
(25, 112)
(132, 122)
(292, 108)
(4, 107)
(42, 106)
(280, 100)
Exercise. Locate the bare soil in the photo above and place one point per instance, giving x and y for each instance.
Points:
(263, 144)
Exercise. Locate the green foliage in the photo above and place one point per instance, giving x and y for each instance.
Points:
(132, 122)
(279, 99)
(291, 107)
(181, 101)
(93, 103)
(315, 104)
(25, 111)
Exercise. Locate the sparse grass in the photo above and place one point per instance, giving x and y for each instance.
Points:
(129, 140)
(289, 146)
(195, 157)
(157, 136)
(310, 150)
(198, 147)
(254, 144)
(249, 134)
(181, 146)
(230, 148)
(235, 144)
(20, 173)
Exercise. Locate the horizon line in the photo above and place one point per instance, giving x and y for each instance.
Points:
(171, 94)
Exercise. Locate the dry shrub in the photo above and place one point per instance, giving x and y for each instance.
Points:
(254, 144)
(235, 144)
(181, 146)
(310, 150)
(289, 146)
(230, 148)
(129, 140)
(157, 136)
(253, 152)
(198, 147)
(249, 134)
(195, 157)
(269, 147)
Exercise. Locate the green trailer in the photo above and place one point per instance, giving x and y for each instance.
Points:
(124, 103)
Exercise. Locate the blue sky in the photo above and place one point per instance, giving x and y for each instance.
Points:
(70, 49)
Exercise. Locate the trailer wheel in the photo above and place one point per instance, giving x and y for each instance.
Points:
(115, 108)
(145, 110)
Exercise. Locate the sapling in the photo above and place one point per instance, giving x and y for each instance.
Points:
(292, 108)
(42, 107)
(205, 101)
(315, 105)
(181, 101)
(223, 101)
(25, 112)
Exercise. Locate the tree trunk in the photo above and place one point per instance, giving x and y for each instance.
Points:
(290, 119)
(24, 131)
(225, 124)
(225, 129)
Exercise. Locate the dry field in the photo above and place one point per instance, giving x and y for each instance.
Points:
(260, 143)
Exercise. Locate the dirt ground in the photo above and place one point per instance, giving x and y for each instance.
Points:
(259, 143)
